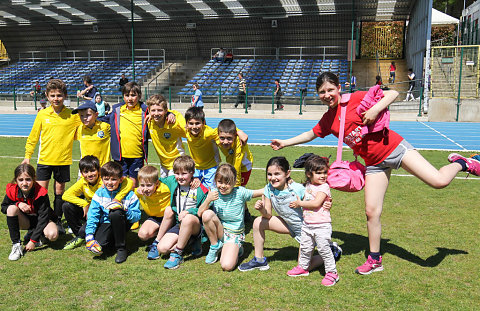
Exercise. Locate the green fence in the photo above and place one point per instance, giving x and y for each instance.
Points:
(455, 71)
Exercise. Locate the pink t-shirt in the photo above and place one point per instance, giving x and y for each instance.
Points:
(372, 147)
(318, 215)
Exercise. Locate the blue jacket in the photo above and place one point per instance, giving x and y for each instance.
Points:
(114, 120)
(98, 214)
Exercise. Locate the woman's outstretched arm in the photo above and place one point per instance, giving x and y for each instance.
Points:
(305, 137)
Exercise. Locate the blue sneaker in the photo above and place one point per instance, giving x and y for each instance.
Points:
(336, 250)
(212, 255)
(197, 247)
(174, 261)
(153, 252)
(254, 264)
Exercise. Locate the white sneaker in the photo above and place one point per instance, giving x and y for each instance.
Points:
(16, 252)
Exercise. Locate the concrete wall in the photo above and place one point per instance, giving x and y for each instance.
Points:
(445, 109)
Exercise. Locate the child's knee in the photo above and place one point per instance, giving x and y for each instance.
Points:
(143, 234)
(207, 216)
(163, 249)
(259, 222)
(51, 235)
(228, 265)
(168, 213)
(116, 215)
(190, 220)
(12, 210)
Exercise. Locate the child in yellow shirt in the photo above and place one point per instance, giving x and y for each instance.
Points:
(166, 137)
(201, 140)
(55, 128)
(154, 198)
(129, 136)
(94, 136)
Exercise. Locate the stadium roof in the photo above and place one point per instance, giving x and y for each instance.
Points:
(29, 12)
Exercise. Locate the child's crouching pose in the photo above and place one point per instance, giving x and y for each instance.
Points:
(78, 197)
(224, 222)
(107, 219)
(154, 197)
(185, 201)
(317, 223)
(27, 206)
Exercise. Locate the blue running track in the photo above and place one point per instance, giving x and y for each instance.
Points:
(423, 135)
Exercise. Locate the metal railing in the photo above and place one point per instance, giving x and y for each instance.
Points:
(279, 52)
(76, 55)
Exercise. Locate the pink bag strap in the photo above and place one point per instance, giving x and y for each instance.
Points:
(341, 131)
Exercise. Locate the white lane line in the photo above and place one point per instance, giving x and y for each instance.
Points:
(255, 168)
(446, 137)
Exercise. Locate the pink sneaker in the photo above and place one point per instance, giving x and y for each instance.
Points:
(473, 165)
(298, 271)
(371, 265)
(330, 279)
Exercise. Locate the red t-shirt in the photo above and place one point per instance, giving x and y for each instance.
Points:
(372, 147)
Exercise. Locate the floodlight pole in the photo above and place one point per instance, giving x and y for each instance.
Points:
(133, 42)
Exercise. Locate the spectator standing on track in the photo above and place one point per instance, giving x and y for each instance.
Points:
(88, 93)
(278, 95)
(39, 95)
(197, 96)
(242, 91)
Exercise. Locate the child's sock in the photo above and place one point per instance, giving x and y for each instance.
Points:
(13, 228)
(462, 163)
(375, 256)
(57, 206)
(178, 250)
(260, 260)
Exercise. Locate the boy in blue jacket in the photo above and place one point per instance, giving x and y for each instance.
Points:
(129, 142)
(107, 220)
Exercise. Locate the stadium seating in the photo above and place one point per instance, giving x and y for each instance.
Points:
(294, 75)
(105, 74)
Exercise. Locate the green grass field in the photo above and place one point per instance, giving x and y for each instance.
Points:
(429, 245)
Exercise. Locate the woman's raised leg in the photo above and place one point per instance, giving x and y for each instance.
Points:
(414, 163)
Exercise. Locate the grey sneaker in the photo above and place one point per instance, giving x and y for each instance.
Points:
(16, 252)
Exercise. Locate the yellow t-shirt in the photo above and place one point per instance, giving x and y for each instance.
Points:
(56, 133)
(203, 148)
(95, 141)
(131, 132)
(82, 187)
(240, 157)
(168, 139)
(155, 204)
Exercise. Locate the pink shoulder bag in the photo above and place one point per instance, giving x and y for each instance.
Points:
(344, 175)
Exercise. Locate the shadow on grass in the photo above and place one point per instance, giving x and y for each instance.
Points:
(355, 243)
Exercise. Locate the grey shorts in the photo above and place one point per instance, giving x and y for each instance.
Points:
(394, 160)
